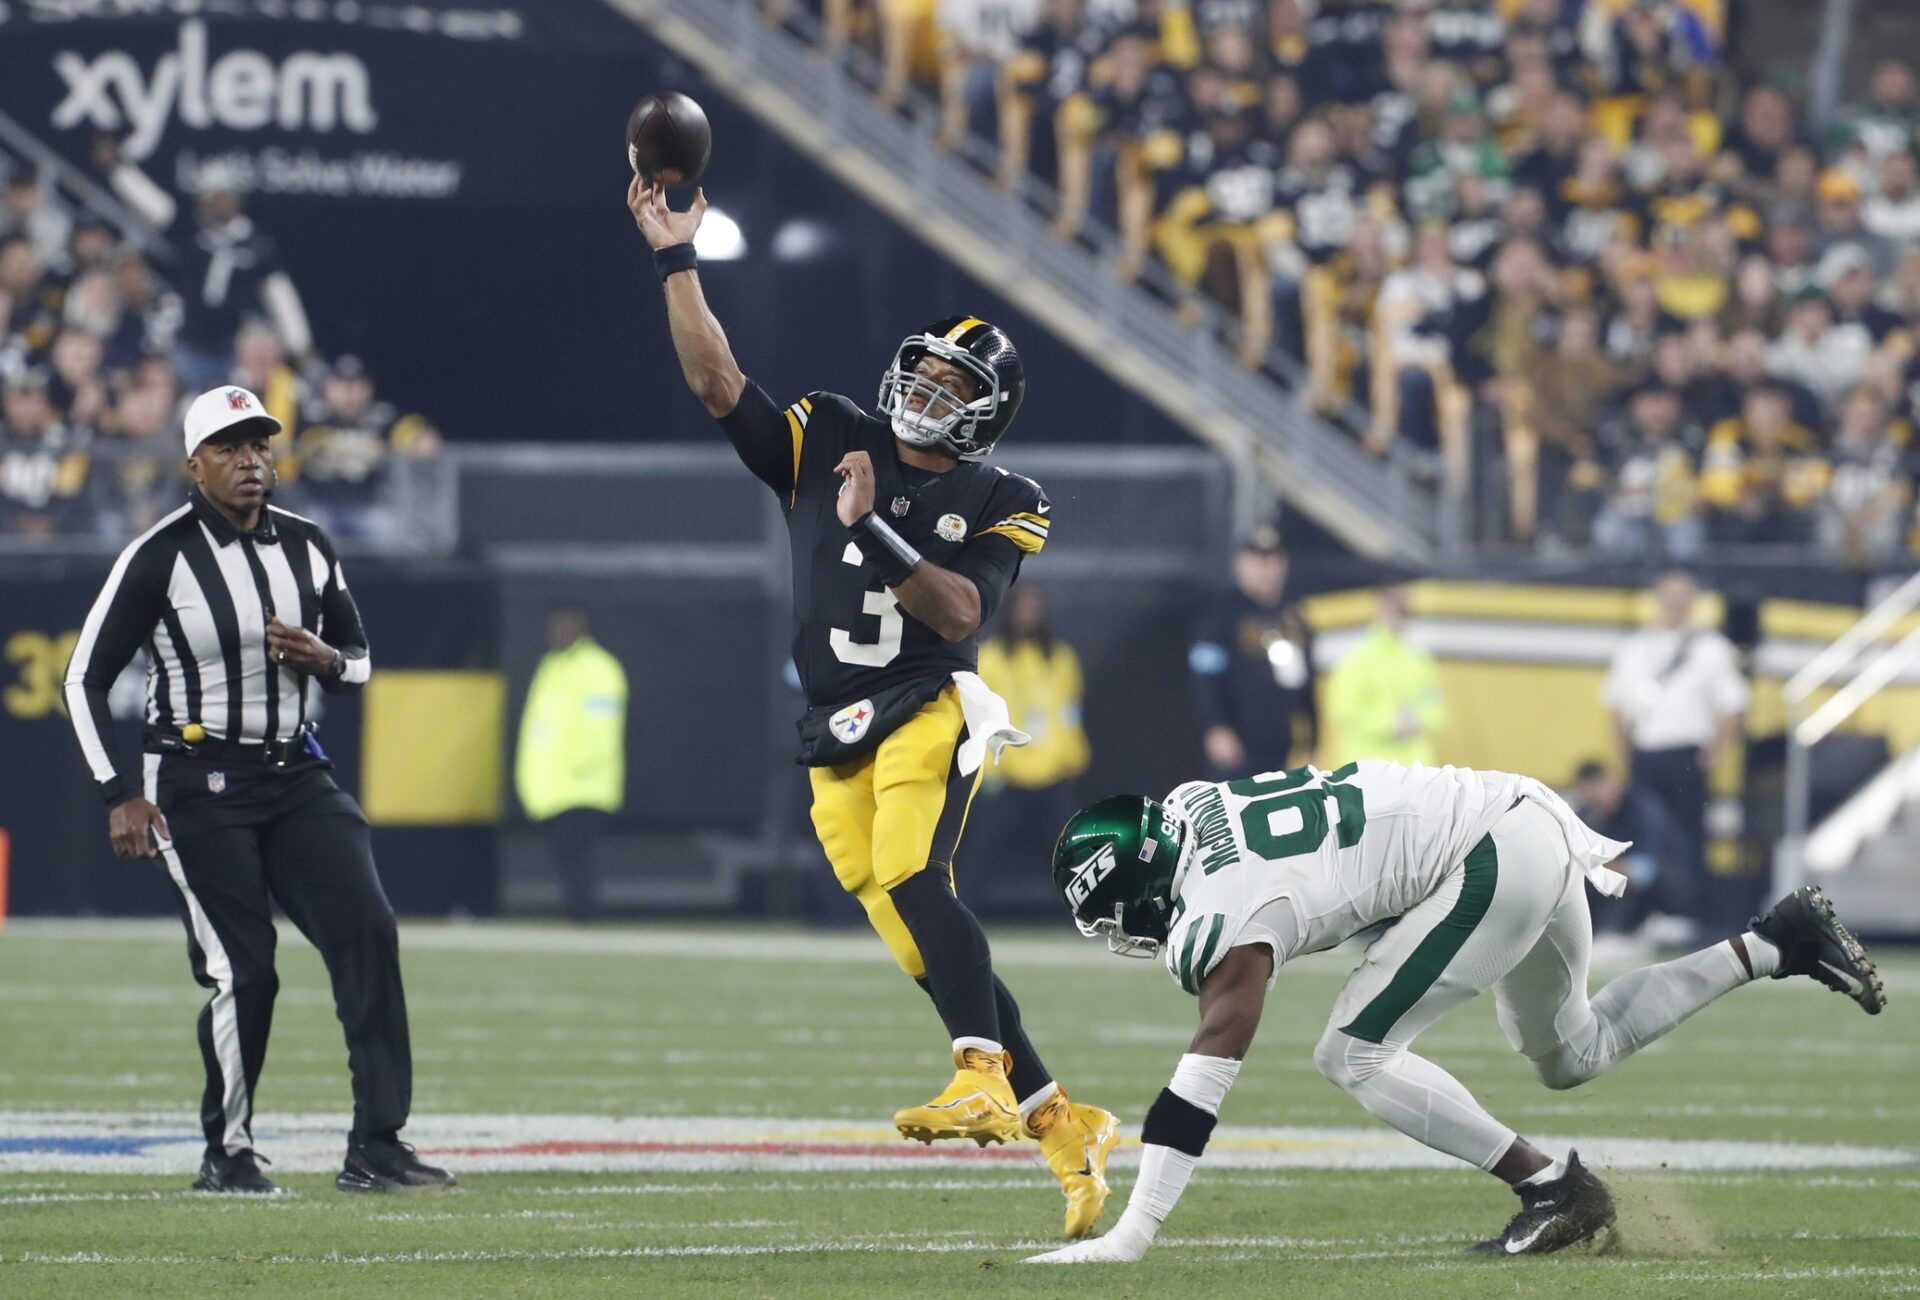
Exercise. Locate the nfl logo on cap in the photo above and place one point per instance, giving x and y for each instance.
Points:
(227, 411)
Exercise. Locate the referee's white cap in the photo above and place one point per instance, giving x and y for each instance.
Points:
(219, 409)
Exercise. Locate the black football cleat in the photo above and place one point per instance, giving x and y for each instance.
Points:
(1812, 942)
(1573, 1208)
(388, 1165)
(238, 1174)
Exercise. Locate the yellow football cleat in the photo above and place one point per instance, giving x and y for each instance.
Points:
(978, 1104)
(1076, 1141)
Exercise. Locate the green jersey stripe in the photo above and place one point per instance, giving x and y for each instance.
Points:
(1417, 974)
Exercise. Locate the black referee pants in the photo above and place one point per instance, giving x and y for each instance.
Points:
(245, 838)
(1676, 780)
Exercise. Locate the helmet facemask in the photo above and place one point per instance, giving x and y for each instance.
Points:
(944, 418)
(1117, 865)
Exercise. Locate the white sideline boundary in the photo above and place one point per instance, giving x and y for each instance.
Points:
(169, 1142)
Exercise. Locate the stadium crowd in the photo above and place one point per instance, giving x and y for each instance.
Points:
(105, 339)
(1555, 251)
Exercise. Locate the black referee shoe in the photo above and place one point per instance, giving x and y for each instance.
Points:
(388, 1165)
(237, 1174)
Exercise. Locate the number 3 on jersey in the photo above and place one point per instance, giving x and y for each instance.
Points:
(880, 603)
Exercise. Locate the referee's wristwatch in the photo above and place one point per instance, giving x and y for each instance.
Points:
(337, 668)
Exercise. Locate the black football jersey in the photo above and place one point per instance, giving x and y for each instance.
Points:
(850, 635)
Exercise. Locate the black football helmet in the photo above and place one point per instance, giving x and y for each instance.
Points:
(942, 417)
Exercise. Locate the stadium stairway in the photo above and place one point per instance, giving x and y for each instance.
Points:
(1277, 445)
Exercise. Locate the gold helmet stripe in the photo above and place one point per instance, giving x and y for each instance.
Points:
(953, 335)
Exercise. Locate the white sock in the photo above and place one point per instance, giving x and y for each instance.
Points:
(1551, 1174)
(1039, 1099)
(1761, 955)
(987, 1045)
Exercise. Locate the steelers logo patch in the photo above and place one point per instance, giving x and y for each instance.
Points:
(951, 528)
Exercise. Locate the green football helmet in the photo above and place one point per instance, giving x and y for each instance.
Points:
(1115, 864)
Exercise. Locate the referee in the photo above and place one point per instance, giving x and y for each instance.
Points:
(230, 598)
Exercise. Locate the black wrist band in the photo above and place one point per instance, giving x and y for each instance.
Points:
(891, 555)
(673, 258)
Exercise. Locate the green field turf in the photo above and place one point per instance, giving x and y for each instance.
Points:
(731, 1024)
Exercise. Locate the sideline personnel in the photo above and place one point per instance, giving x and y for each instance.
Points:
(235, 796)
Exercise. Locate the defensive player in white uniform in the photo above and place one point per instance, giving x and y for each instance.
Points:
(1483, 878)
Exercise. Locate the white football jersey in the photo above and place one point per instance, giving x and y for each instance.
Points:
(1346, 849)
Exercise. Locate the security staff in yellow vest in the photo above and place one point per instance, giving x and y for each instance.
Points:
(1383, 700)
(1032, 791)
(570, 770)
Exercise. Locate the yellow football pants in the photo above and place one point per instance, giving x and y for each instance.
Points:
(896, 812)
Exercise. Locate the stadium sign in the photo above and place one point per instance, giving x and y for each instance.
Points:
(429, 100)
(242, 90)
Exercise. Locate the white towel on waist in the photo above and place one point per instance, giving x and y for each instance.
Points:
(1591, 850)
(989, 726)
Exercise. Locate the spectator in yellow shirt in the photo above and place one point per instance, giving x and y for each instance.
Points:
(1383, 700)
(570, 766)
(1032, 792)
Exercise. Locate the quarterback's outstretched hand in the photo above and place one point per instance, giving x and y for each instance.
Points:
(1117, 1247)
(662, 226)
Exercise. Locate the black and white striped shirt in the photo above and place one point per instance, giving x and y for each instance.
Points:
(196, 594)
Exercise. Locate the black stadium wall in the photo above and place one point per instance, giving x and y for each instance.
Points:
(428, 747)
(445, 184)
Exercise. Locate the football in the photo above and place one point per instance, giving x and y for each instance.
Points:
(668, 139)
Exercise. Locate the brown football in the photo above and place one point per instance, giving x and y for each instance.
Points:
(668, 139)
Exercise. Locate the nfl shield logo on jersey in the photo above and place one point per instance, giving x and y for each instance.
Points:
(216, 781)
(900, 506)
(852, 722)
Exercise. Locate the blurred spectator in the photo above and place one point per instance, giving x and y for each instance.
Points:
(1252, 667)
(228, 268)
(1383, 698)
(30, 301)
(1678, 700)
(144, 483)
(1886, 121)
(1762, 474)
(1645, 479)
(570, 765)
(1657, 889)
(347, 448)
(1597, 158)
(29, 211)
(44, 467)
(1032, 791)
(1864, 514)
(1893, 213)
(976, 37)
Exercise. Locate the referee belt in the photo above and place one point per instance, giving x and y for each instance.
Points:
(271, 753)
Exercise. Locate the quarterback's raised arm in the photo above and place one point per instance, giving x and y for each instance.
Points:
(1182, 1116)
(705, 358)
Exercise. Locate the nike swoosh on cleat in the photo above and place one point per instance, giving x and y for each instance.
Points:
(1518, 1244)
(957, 1101)
(1853, 984)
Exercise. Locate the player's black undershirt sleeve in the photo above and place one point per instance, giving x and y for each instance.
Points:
(763, 438)
(992, 563)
